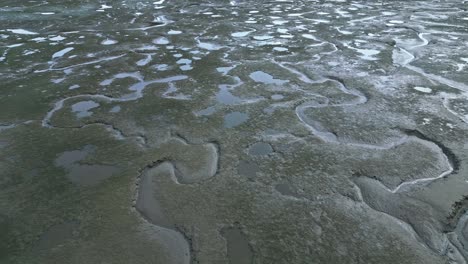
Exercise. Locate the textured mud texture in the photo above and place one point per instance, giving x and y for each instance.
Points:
(233, 132)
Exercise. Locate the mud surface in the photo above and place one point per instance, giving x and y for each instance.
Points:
(233, 131)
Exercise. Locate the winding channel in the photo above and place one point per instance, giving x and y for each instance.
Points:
(137, 93)
(456, 242)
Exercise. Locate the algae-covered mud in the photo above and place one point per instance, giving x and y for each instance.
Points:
(233, 131)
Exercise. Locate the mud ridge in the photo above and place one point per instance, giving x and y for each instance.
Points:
(451, 157)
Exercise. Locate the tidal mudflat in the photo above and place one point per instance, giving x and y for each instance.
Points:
(234, 131)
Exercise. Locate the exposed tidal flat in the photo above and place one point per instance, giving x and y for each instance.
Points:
(234, 132)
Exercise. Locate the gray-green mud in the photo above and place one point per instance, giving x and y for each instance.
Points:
(233, 131)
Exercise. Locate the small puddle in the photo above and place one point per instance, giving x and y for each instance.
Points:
(59, 54)
(88, 175)
(368, 54)
(209, 46)
(224, 70)
(234, 119)
(161, 67)
(115, 109)
(84, 174)
(240, 34)
(277, 97)
(57, 235)
(161, 41)
(280, 49)
(224, 96)
(109, 42)
(401, 57)
(186, 67)
(263, 77)
(239, 250)
(68, 158)
(206, 112)
(82, 108)
(422, 89)
(286, 189)
(248, 169)
(263, 37)
(260, 149)
(21, 31)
